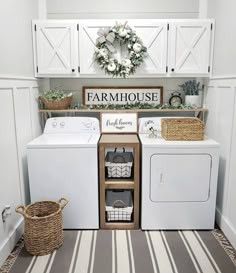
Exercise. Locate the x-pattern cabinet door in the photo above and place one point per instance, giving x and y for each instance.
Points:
(152, 32)
(56, 45)
(190, 47)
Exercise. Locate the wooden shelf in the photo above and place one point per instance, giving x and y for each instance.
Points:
(123, 110)
(119, 184)
(108, 141)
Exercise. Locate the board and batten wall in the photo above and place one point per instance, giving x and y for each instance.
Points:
(19, 118)
(221, 102)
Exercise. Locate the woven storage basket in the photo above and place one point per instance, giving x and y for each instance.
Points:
(56, 104)
(43, 226)
(119, 205)
(119, 164)
(182, 129)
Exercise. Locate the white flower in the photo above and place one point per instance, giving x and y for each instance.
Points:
(137, 47)
(129, 46)
(111, 67)
(122, 32)
(126, 62)
(103, 52)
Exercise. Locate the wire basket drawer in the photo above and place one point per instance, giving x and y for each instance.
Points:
(119, 164)
(119, 205)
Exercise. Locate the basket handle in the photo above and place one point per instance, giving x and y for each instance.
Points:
(20, 209)
(119, 201)
(122, 148)
(65, 202)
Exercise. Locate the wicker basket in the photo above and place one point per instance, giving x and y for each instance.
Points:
(56, 104)
(182, 129)
(43, 226)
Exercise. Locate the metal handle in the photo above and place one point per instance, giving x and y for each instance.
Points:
(172, 69)
(122, 148)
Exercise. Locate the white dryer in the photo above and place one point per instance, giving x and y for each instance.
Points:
(179, 181)
(63, 162)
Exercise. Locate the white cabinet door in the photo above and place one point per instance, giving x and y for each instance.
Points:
(189, 47)
(152, 32)
(56, 48)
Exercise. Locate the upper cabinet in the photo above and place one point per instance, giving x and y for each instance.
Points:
(152, 32)
(56, 48)
(190, 44)
(175, 48)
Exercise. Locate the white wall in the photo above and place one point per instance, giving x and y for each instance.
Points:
(16, 56)
(104, 9)
(19, 115)
(221, 125)
(75, 85)
(225, 37)
(221, 102)
(20, 122)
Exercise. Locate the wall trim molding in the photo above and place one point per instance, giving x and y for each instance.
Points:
(11, 240)
(222, 77)
(226, 227)
(15, 77)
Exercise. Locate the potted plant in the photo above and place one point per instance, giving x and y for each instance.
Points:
(56, 99)
(192, 93)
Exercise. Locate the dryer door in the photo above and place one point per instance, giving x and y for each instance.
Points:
(180, 177)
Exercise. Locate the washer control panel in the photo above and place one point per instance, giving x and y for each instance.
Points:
(72, 125)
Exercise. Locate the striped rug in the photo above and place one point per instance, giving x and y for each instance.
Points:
(132, 252)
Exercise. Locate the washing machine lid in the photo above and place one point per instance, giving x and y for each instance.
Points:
(48, 141)
(162, 143)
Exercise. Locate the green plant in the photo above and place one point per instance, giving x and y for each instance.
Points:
(55, 94)
(191, 87)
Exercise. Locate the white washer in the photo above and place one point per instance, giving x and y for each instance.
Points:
(179, 181)
(63, 162)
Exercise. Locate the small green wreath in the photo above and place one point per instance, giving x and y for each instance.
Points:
(105, 49)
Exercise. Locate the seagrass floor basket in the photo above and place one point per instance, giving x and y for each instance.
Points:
(182, 129)
(43, 226)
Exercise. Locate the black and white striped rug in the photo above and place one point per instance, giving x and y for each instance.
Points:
(131, 252)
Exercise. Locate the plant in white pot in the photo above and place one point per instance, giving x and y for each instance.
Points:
(192, 92)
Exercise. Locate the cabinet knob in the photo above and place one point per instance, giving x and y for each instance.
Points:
(172, 69)
(73, 70)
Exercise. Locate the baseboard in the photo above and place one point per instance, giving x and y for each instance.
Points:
(10, 241)
(226, 227)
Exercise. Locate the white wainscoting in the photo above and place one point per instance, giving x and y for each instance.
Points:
(220, 99)
(20, 123)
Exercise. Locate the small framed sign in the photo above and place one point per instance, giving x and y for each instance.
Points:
(119, 122)
(122, 95)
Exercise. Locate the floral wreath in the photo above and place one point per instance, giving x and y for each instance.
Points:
(105, 49)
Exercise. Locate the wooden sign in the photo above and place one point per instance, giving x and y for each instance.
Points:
(119, 122)
(122, 95)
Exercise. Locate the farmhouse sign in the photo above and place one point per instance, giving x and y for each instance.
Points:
(119, 122)
(122, 95)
